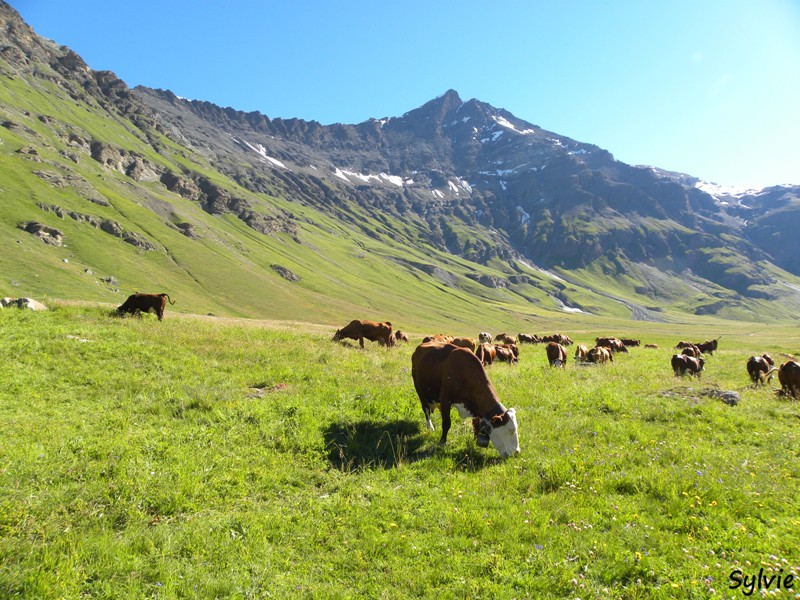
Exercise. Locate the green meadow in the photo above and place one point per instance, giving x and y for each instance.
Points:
(202, 457)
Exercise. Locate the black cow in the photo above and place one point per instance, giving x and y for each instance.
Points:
(139, 303)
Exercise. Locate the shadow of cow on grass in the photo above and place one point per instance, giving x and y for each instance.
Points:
(371, 445)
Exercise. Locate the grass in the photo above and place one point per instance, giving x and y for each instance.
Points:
(201, 458)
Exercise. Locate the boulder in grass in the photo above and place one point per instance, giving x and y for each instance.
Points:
(28, 303)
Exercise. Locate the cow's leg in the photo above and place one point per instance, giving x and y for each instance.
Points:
(426, 409)
(444, 408)
(361, 342)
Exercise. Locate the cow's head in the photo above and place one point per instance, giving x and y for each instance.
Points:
(504, 434)
(337, 336)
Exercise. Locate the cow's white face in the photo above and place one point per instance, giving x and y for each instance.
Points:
(505, 437)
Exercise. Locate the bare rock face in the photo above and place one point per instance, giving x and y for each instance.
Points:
(49, 235)
(285, 273)
(117, 159)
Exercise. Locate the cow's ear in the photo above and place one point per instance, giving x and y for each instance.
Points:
(499, 420)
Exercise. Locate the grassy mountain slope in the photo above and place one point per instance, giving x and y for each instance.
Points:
(139, 210)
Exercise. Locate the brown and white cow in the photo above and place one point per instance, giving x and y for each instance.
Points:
(486, 353)
(683, 365)
(612, 343)
(447, 376)
(692, 350)
(370, 330)
(141, 303)
(556, 354)
(599, 355)
(484, 336)
(789, 377)
(761, 369)
(506, 353)
(581, 353)
(400, 336)
(527, 338)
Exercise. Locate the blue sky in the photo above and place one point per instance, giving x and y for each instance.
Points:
(708, 87)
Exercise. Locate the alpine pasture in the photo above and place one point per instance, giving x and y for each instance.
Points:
(217, 458)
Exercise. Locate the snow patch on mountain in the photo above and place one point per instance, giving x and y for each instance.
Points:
(380, 178)
(262, 151)
(717, 190)
(503, 122)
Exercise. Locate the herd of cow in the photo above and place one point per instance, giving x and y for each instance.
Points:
(449, 372)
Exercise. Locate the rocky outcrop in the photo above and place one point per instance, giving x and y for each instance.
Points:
(49, 235)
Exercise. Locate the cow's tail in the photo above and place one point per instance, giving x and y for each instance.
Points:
(168, 298)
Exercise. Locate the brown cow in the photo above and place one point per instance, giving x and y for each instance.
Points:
(707, 347)
(371, 330)
(559, 338)
(439, 337)
(692, 350)
(789, 377)
(526, 338)
(761, 369)
(612, 343)
(683, 365)
(467, 343)
(446, 376)
(400, 336)
(506, 353)
(599, 355)
(139, 303)
(486, 353)
(580, 353)
(556, 354)
(631, 342)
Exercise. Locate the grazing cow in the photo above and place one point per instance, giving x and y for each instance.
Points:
(683, 365)
(371, 330)
(526, 338)
(631, 342)
(692, 350)
(506, 339)
(559, 338)
(761, 369)
(400, 336)
(581, 352)
(467, 343)
(789, 377)
(599, 355)
(651, 346)
(139, 303)
(484, 336)
(707, 347)
(556, 354)
(506, 353)
(439, 337)
(612, 343)
(486, 353)
(446, 376)
(683, 344)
